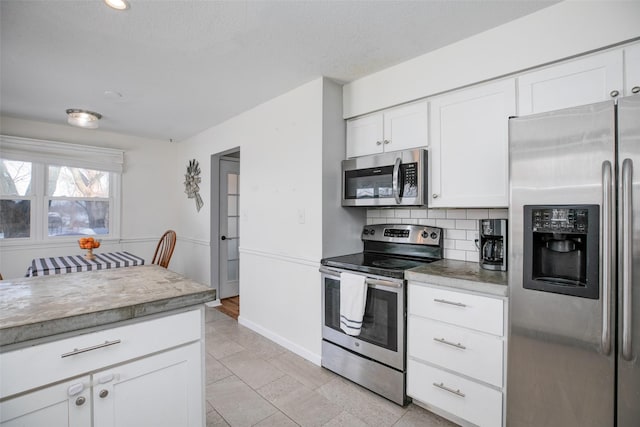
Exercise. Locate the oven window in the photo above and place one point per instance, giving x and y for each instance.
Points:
(380, 322)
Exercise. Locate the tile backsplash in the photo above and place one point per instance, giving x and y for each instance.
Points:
(460, 226)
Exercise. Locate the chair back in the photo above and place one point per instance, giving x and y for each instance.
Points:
(165, 248)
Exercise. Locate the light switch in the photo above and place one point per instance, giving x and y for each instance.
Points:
(301, 216)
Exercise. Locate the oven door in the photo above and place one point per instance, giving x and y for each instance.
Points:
(382, 337)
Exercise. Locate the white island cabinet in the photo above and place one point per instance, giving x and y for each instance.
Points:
(120, 347)
(145, 373)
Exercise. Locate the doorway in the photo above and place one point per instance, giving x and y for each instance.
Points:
(225, 230)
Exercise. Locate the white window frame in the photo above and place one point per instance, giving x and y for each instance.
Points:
(42, 153)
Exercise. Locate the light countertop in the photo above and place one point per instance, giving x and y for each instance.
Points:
(461, 275)
(38, 307)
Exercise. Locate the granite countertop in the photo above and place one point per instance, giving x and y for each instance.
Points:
(38, 307)
(461, 275)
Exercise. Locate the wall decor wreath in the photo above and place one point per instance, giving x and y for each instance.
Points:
(192, 183)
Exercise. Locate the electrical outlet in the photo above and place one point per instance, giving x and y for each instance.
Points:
(301, 216)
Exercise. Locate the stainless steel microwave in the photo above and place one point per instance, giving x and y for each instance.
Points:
(391, 179)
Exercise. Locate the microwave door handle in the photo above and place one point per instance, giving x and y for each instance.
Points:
(396, 180)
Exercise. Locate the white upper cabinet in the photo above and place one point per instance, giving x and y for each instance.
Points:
(364, 136)
(468, 155)
(583, 81)
(392, 130)
(632, 70)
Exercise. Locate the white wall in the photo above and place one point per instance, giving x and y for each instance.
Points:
(560, 31)
(281, 208)
(148, 196)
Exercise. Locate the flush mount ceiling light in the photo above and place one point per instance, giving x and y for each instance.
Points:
(117, 4)
(83, 118)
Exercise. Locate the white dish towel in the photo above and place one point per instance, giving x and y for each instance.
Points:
(353, 298)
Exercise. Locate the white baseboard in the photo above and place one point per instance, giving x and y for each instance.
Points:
(215, 303)
(293, 347)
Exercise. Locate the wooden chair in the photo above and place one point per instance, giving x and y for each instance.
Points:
(165, 248)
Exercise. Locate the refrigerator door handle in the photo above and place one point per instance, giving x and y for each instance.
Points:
(607, 211)
(627, 254)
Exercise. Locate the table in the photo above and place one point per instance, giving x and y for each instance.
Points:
(76, 263)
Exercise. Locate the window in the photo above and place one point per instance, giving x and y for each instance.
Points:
(15, 205)
(52, 190)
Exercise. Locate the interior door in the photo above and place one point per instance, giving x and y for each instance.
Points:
(229, 261)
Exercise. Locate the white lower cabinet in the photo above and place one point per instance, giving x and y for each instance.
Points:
(456, 353)
(108, 379)
(161, 390)
(64, 404)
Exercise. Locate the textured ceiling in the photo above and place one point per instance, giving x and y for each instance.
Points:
(184, 66)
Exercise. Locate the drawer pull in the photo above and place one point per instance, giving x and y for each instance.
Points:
(94, 347)
(450, 390)
(444, 301)
(443, 341)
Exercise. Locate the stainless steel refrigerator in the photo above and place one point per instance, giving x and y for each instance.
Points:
(574, 267)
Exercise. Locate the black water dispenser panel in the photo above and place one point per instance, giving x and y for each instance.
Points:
(561, 249)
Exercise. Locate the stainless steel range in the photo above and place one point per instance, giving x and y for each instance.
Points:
(376, 357)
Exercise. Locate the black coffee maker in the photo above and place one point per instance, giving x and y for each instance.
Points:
(493, 244)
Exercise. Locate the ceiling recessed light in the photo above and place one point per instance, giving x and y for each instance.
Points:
(83, 118)
(117, 4)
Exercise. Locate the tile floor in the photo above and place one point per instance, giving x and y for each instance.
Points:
(252, 381)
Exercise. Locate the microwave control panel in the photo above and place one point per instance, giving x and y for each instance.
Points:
(409, 174)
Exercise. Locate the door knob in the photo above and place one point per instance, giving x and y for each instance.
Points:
(223, 238)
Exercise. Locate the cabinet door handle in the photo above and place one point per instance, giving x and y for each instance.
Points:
(614, 93)
(635, 89)
(444, 301)
(386, 141)
(103, 393)
(378, 142)
(93, 347)
(80, 401)
(452, 344)
(450, 390)
(435, 196)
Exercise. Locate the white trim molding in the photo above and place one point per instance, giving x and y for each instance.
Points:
(280, 257)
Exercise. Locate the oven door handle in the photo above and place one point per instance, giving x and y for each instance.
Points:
(368, 281)
(378, 282)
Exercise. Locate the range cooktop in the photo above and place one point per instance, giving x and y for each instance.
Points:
(390, 249)
(377, 264)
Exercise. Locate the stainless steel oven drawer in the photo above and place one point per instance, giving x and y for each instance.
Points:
(372, 375)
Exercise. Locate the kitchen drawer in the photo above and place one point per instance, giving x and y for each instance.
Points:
(471, 311)
(462, 350)
(44, 364)
(466, 399)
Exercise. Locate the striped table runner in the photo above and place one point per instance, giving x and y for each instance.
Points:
(76, 263)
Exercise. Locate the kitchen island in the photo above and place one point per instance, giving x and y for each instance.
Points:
(112, 347)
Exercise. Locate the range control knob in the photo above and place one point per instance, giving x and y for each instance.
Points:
(365, 231)
(425, 234)
(372, 232)
(434, 235)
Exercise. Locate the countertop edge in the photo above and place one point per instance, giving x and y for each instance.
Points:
(22, 333)
(459, 284)
(461, 275)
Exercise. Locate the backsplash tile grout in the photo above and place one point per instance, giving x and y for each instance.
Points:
(460, 226)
